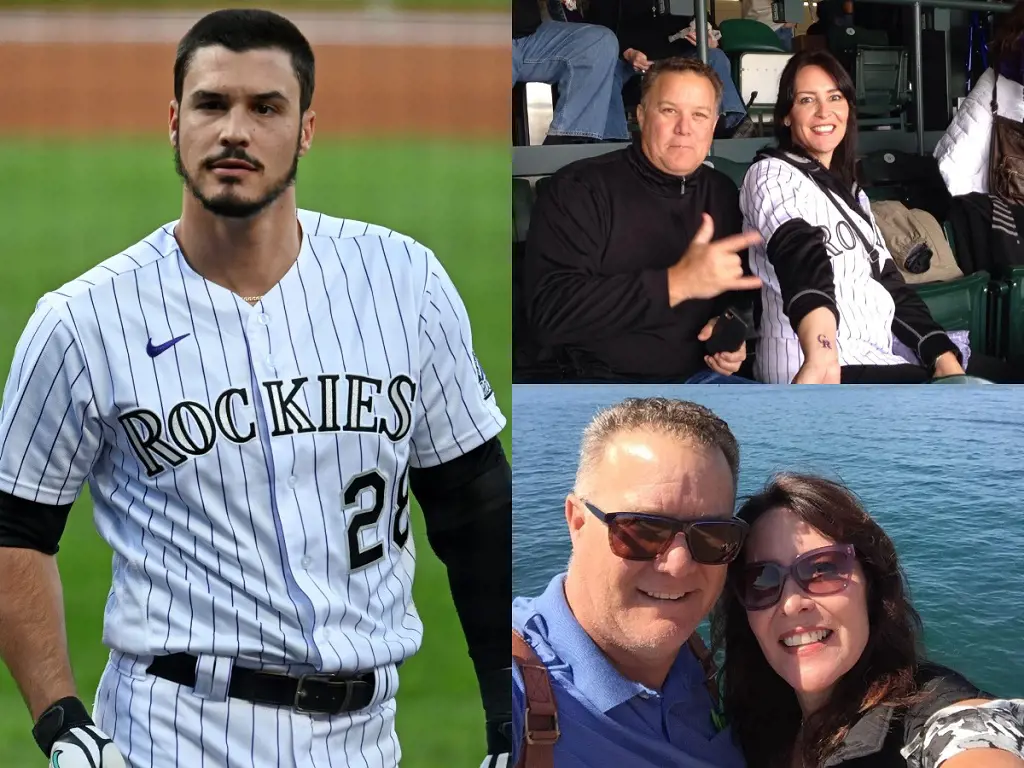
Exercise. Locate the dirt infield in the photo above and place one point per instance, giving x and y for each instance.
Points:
(78, 86)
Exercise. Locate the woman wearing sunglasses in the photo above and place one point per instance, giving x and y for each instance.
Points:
(822, 664)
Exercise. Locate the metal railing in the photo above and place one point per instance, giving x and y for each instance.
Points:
(700, 12)
(700, 8)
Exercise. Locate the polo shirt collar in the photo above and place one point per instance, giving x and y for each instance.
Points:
(605, 687)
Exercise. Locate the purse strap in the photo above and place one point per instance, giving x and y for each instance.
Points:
(541, 727)
(872, 251)
(995, 89)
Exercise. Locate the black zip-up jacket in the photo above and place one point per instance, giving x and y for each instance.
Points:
(595, 282)
(797, 252)
(525, 18)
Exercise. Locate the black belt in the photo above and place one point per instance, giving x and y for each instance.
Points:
(314, 694)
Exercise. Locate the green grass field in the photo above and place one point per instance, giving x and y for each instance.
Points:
(67, 206)
(281, 5)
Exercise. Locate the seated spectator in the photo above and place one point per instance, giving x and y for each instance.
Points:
(582, 60)
(621, 277)
(832, 297)
(645, 38)
(761, 10)
(963, 151)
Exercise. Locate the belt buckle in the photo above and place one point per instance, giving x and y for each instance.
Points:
(329, 679)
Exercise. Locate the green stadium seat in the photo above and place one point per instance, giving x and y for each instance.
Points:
(961, 305)
(522, 205)
(748, 36)
(734, 170)
(1009, 313)
(882, 80)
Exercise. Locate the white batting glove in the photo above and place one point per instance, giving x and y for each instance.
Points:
(85, 747)
(67, 735)
(497, 761)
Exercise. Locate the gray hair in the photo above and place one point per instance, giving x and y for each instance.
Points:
(679, 418)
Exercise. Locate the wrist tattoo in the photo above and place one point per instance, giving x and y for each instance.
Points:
(824, 341)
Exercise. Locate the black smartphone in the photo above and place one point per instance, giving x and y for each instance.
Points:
(729, 334)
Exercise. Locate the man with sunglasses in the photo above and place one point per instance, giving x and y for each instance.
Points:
(612, 673)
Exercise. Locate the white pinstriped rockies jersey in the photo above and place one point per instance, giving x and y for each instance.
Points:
(249, 465)
(775, 192)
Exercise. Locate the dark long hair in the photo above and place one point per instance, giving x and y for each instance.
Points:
(1007, 50)
(885, 671)
(844, 159)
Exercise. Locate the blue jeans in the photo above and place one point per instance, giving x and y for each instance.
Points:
(785, 37)
(583, 61)
(711, 377)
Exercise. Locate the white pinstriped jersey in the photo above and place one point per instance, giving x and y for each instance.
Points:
(249, 465)
(775, 192)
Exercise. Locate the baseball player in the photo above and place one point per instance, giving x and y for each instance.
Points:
(251, 393)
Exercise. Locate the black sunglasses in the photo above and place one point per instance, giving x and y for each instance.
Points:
(638, 536)
(822, 571)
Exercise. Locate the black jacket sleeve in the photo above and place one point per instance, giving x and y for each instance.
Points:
(568, 300)
(797, 252)
(913, 323)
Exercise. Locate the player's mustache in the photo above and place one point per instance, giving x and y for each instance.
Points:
(236, 153)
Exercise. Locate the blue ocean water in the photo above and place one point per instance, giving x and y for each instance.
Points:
(941, 468)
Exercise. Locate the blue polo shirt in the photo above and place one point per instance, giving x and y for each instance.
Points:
(605, 719)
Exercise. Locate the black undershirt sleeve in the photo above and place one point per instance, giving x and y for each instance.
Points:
(26, 524)
(913, 323)
(797, 252)
(467, 505)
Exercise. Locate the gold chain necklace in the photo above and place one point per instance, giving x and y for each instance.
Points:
(252, 299)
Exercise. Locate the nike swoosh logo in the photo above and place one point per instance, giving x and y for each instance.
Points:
(56, 755)
(155, 349)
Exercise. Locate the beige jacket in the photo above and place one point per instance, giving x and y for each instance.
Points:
(905, 230)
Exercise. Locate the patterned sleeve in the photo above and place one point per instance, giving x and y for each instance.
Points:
(996, 724)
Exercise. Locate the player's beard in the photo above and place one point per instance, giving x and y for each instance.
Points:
(228, 204)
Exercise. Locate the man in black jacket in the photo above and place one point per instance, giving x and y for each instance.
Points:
(621, 277)
(583, 61)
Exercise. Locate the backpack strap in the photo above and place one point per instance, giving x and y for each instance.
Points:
(707, 662)
(541, 708)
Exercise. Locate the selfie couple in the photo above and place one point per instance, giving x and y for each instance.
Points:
(823, 664)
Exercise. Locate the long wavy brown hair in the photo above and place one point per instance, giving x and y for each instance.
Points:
(762, 707)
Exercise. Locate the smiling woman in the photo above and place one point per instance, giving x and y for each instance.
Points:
(816, 618)
(833, 302)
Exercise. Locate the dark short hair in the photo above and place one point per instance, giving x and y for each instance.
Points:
(844, 159)
(884, 673)
(679, 65)
(241, 30)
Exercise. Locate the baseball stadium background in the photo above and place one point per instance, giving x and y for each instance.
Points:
(412, 133)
